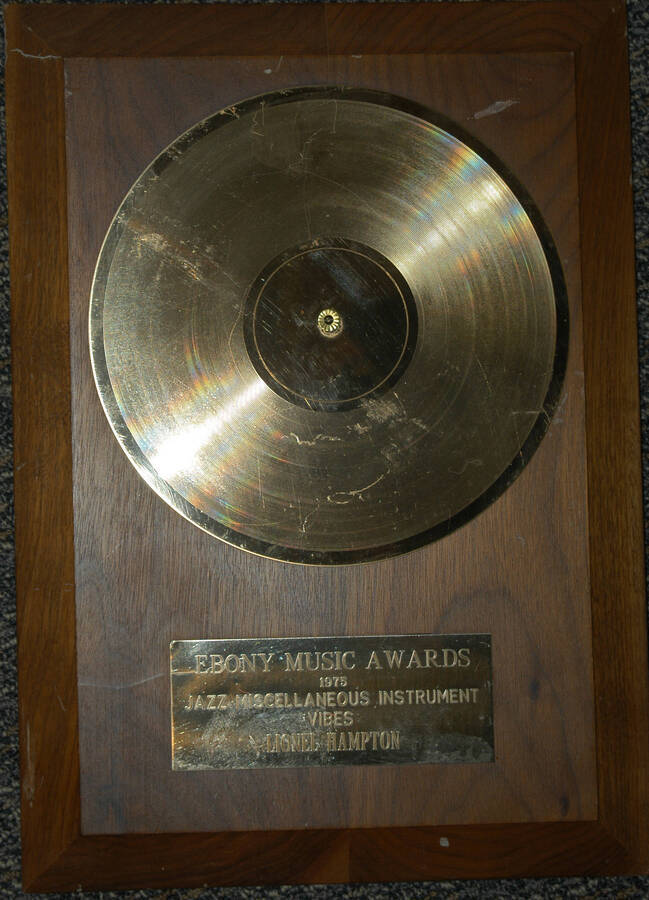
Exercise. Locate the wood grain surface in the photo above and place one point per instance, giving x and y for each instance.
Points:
(42, 455)
(544, 651)
(144, 576)
(613, 424)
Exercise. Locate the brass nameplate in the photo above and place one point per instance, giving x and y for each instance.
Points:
(331, 701)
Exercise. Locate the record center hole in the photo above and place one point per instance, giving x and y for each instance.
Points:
(329, 322)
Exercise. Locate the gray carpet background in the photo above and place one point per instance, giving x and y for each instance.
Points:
(532, 889)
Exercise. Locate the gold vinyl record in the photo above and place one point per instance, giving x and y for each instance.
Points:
(325, 329)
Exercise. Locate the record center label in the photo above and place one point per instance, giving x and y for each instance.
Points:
(283, 702)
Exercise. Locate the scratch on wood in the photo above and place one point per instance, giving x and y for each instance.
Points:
(30, 775)
(120, 687)
(495, 108)
(34, 55)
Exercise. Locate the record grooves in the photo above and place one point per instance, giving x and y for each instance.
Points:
(325, 329)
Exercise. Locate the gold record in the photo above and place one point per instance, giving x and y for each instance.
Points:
(325, 329)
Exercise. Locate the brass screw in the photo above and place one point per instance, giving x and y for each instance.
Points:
(330, 323)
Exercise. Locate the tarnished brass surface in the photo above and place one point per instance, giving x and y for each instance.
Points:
(216, 369)
(331, 701)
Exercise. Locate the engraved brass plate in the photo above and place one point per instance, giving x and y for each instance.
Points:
(331, 701)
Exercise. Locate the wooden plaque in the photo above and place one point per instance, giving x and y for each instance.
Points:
(109, 576)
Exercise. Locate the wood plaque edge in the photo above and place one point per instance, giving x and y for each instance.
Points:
(56, 856)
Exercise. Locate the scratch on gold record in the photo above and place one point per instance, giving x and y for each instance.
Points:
(288, 301)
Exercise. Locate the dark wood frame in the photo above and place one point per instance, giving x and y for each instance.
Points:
(56, 855)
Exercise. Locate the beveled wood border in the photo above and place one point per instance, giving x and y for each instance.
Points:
(56, 856)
